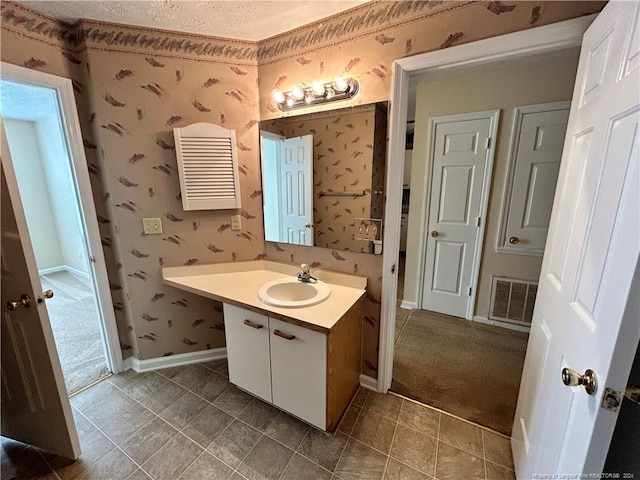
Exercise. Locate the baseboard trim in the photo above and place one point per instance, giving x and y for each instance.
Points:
(409, 305)
(75, 271)
(180, 359)
(47, 271)
(497, 323)
(63, 268)
(369, 382)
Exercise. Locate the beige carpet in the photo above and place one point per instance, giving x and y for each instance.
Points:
(465, 368)
(76, 329)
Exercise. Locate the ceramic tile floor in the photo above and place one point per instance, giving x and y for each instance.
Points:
(191, 423)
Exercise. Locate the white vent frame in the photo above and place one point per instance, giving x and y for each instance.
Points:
(209, 179)
(492, 300)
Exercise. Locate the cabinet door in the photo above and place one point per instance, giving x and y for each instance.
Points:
(247, 336)
(299, 371)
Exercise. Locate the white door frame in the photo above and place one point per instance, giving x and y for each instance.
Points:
(494, 117)
(89, 222)
(548, 38)
(278, 138)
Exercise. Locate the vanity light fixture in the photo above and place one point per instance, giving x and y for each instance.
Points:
(340, 88)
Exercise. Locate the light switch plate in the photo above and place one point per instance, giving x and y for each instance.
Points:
(236, 222)
(152, 226)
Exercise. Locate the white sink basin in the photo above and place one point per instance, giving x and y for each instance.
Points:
(290, 292)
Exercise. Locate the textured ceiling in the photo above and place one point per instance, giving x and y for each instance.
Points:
(238, 19)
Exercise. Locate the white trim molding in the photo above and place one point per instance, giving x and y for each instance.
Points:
(369, 382)
(548, 38)
(178, 360)
(63, 268)
(409, 305)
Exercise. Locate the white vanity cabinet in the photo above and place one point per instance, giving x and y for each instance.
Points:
(308, 373)
(248, 354)
(299, 371)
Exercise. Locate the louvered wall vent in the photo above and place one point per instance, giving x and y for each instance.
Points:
(208, 167)
(512, 300)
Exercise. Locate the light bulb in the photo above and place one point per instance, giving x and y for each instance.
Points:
(330, 93)
(309, 97)
(317, 88)
(340, 84)
(290, 102)
(277, 95)
(297, 92)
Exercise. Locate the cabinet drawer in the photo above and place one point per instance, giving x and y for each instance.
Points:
(299, 371)
(247, 335)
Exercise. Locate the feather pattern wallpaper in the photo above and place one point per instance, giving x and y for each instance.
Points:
(133, 85)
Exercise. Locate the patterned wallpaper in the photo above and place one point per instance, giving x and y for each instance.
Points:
(133, 85)
(343, 160)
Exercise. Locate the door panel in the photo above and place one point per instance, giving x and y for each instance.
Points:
(590, 260)
(247, 336)
(459, 162)
(455, 194)
(299, 371)
(538, 140)
(296, 166)
(35, 406)
(445, 278)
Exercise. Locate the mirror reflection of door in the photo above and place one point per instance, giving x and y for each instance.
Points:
(48, 187)
(288, 164)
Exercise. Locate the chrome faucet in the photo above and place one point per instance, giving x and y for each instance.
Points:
(305, 276)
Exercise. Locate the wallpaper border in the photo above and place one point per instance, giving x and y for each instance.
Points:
(336, 30)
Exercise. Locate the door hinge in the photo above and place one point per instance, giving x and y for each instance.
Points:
(478, 222)
(393, 269)
(488, 145)
(470, 290)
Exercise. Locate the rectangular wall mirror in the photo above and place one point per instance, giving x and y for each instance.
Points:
(322, 174)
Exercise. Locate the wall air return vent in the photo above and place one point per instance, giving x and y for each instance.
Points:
(208, 167)
(512, 300)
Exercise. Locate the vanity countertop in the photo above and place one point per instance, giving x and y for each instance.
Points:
(238, 283)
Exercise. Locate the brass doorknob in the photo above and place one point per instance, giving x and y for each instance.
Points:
(25, 301)
(434, 233)
(571, 378)
(45, 294)
(514, 240)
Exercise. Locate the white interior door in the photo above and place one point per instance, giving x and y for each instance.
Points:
(461, 158)
(538, 145)
(589, 262)
(296, 170)
(35, 406)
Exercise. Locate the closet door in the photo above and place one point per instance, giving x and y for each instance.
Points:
(539, 132)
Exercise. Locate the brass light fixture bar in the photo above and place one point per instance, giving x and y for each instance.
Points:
(316, 94)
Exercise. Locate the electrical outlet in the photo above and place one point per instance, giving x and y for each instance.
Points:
(152, 226)
(367, 229)
(236, 222)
